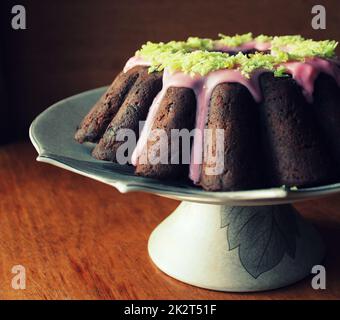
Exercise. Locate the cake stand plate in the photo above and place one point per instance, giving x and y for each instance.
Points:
(229, 241)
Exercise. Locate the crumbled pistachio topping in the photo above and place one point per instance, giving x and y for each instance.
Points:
(197, 55)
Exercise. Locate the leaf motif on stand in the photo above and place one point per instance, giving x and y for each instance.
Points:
(262, 234)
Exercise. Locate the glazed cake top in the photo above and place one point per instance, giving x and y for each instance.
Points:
(202, 64)
(202, 55)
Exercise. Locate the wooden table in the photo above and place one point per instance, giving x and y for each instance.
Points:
(80, 239)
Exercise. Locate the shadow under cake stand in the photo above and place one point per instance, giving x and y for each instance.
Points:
(229, 241)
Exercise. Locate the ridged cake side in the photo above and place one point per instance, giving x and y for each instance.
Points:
(177, 111)
(295, 150)
(276, 101)
(233, 110)
(96, 121)
(133, 110)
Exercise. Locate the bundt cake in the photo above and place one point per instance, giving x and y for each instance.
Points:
(236, 113)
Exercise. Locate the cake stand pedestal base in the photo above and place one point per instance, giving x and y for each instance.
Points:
(238, 249)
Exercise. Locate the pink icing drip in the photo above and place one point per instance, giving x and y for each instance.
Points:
(178, 79)
(134, 62)
(261, 46)
(205, 88)
(305, 73)
(202, 87)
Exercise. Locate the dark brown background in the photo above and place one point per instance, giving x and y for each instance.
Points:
(71, 46)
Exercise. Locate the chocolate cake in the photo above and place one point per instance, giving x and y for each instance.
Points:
(96, 121)
(236, 113)
(295, 151)
(177, 111)
(233, 109)
(133, 110)
(327, 110)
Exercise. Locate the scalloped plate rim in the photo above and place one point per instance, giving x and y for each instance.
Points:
(244, 197)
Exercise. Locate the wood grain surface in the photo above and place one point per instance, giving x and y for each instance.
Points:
(80, 239)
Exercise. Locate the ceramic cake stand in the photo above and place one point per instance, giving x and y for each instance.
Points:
(229, 241)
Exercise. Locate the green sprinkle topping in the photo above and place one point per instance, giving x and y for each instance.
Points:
(263, 38)
(197, 55)
(201, 44)
(256, 61)
(195, 62)
(236, 40)
(200, 62)
(281, 41)
(280, 71)
(310, 48)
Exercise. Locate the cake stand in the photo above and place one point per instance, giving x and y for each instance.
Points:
(229, 241)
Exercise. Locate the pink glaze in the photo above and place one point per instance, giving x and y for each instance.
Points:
(178, 79)
(305, 73)
(203, 87)
(134, 62)
(261, 46)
